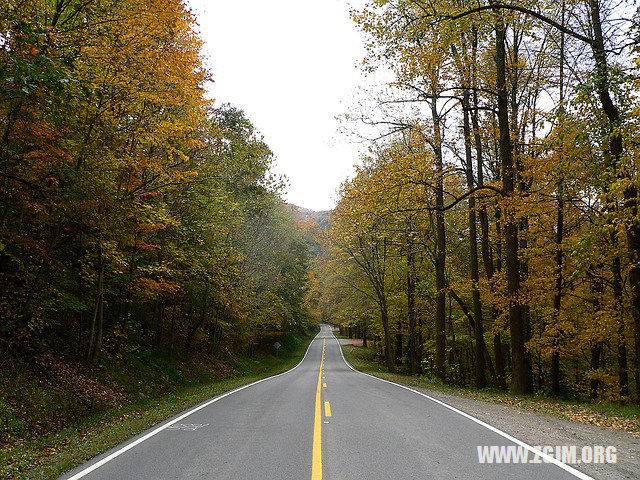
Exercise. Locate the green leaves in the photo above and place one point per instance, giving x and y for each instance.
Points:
(125, 195)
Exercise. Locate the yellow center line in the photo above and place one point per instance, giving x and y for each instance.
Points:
(316, 459)
(327, 409)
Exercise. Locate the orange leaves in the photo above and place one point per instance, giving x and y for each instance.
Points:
(150, 227)
(154, 288)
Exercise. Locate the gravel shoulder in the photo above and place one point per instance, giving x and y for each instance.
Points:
(540, 429)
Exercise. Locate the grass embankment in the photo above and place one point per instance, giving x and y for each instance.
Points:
(49, 426)
(610, 415)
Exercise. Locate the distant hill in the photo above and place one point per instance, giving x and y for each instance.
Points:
(312, 225)
(307, 216)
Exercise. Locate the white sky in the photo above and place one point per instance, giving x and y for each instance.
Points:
(292, 66)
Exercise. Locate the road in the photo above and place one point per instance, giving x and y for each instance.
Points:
(321, 420)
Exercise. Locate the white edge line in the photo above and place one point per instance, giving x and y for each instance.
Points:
(129, 446)
(548, 458)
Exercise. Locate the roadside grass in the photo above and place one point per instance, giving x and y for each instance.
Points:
(609, 415)
(47, 456)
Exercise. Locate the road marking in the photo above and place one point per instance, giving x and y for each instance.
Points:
(547, 458)
(187, 426)
(316, 456)
(324, 385)
(155, 431)
(327, 409)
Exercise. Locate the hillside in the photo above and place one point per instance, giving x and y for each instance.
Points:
(312, 224)
(306, 215)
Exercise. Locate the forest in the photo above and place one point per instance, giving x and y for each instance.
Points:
(134, 211)
(145, 245)
(491, 234)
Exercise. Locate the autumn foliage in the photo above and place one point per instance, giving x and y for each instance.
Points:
(134, 212)
(491, 236)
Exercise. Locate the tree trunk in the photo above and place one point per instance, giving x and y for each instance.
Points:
(597, 289)
(191, 333)
(126, 311)
(519, 383)
(497, 349)
(398, 351)
(172, 335)
(557, 299)
(522, 188)
(158, 309)
(188, 343)
(472, 325)
(485, 248)
(480, 378)
(441, 284)
(616, 269)
(364, 334)
(388, 347)
(596, 349)
(97, 325)
(158, 314)
(411, 310)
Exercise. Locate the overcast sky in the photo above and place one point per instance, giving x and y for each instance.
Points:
(292, 66)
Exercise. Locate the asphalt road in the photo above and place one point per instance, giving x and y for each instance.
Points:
(320, 420)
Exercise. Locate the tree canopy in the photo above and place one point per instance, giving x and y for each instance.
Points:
(492, 234)
(134, 211)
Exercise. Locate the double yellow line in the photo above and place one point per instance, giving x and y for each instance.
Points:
(316, 460)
